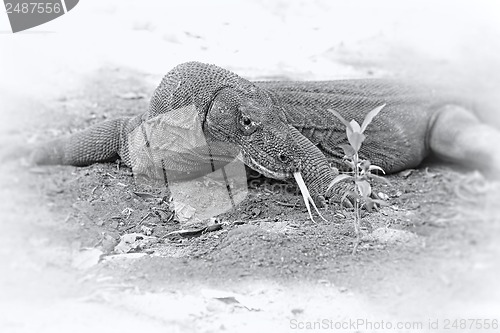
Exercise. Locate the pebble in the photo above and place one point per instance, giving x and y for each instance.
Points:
(383, 196)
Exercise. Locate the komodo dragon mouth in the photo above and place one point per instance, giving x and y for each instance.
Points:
(252, 163)
(284, 175)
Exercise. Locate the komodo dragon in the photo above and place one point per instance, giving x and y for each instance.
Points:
(284, 127)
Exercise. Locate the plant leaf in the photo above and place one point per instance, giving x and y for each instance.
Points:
(379, 179)
(144, 195)
(364, 166)
(348, 150)
(355, 126)
(349, 163)
(380, 202)
(337, 180)
(356, 139)
(342, 119)
(369, 204)
(364, 188)
(369, 117)
(376, 167)
(353, 194)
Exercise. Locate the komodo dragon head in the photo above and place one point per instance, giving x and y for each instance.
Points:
(233, 110)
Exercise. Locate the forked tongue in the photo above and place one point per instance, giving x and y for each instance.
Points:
(306, 195)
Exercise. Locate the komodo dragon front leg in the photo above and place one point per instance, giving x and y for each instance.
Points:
(98, 143)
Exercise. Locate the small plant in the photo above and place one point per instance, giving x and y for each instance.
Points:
(361, 173)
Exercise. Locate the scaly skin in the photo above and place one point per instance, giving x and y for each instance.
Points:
(397, 137)
(283, 127)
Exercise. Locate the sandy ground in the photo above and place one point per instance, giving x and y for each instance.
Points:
(432, 255)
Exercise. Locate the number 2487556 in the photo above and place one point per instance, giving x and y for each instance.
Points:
(33, 7)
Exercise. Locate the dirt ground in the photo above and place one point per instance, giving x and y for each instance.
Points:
(432, 254)
(90, 250)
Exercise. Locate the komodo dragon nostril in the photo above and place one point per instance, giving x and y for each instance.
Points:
(247, 121)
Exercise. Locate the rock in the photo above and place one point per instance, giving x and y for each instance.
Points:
(383, 196)
(133, 242)
(390, 236)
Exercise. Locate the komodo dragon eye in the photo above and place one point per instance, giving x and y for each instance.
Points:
(247, 126)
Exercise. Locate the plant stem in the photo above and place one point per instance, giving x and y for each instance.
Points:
(357, 215)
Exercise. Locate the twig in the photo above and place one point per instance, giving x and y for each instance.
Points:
(145, 217)
(254, 221)
(286, 204)
(140, 222)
